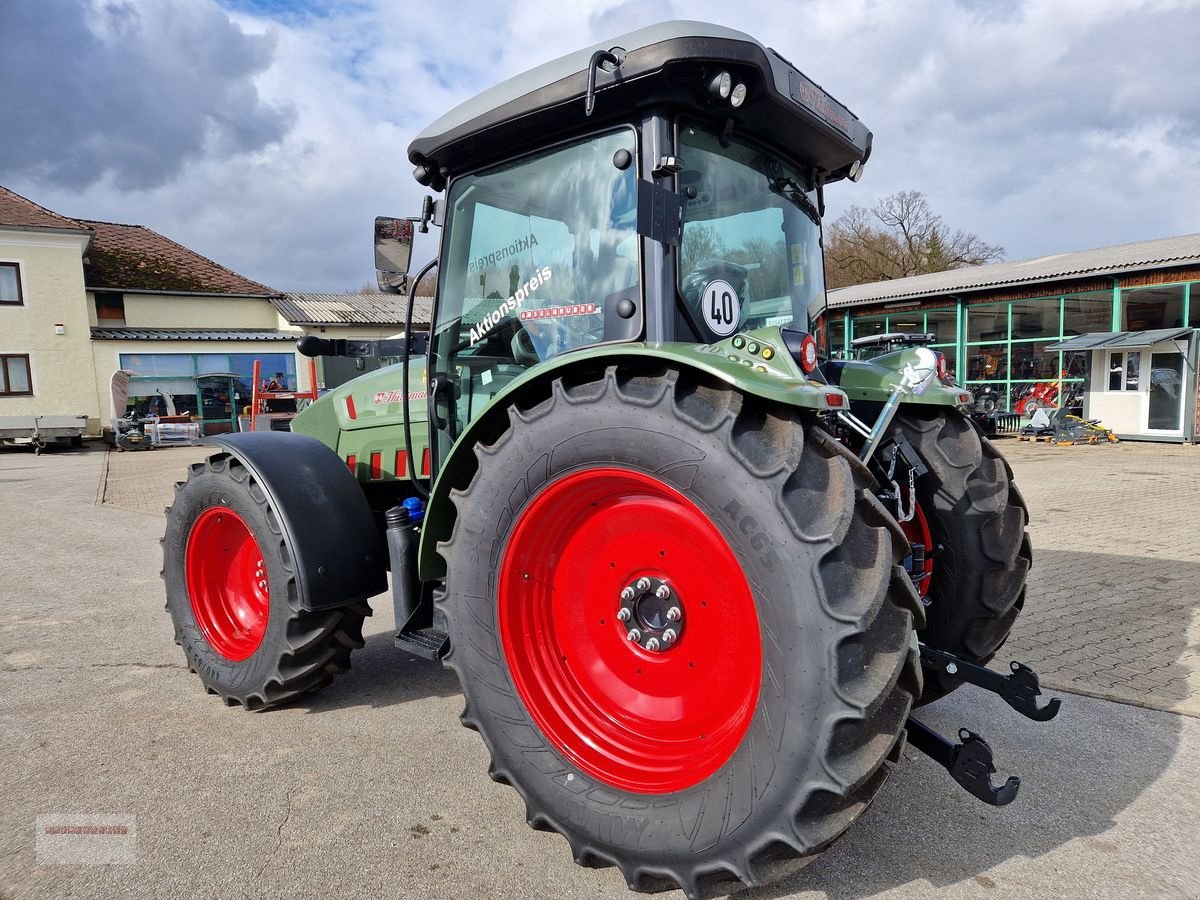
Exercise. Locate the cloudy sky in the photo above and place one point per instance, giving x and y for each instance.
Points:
(267, 134)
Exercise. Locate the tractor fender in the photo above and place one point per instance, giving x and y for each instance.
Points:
(874, 380)
(327, 525)
(777, 379)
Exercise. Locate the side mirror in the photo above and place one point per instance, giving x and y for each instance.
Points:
(393, 252)
(919, 374)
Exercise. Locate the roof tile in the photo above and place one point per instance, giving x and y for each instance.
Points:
(133, 257)
(22, 212)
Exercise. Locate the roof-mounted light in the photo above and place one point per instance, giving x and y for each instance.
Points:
(738, 96)
(721, 85)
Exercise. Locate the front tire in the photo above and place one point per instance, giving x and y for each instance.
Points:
(231, 593)
(972, 519)
(758, 733)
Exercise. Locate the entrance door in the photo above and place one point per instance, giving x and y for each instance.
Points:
(218, 403)
(1165, 409)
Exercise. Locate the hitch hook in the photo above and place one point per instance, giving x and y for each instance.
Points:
(1019, 690)
(968, 762)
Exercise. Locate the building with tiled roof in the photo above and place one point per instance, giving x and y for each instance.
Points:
(83, 298)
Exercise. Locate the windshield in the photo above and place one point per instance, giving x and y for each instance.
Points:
(540, 255)
(751, 250)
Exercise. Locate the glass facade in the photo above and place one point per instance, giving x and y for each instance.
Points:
(999, 348)
(941, 322)
(212, 387)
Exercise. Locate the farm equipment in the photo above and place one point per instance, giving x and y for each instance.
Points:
(692, 575)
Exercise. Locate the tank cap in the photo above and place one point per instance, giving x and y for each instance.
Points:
(416, 509)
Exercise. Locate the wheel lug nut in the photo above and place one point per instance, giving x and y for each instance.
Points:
(669, 636)
(663, 592)
(643, 584)
(652, 644)
(623, 614)
(674, 613)
(634, 635)
(627, 594)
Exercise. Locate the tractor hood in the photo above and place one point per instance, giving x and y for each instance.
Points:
(368, 401)
(666, 65)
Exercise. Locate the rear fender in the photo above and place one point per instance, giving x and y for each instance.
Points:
(775, 377)
(327, 526)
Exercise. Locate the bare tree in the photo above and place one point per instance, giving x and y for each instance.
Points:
(898, 237)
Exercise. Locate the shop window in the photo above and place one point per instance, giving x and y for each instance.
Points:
(1087, 313)
(1033, 361)
(943, 324)
(1149, 308)
(1194, 306)
(987, 323)
(837, 336)
(163, 365)
(14, 376)
(987, 363)
(1035, 318)
(869, 325)
(1124, 371)
(10, 283)
(908, 322)
(110, 309)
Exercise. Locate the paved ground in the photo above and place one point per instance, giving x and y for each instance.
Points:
(371, 788)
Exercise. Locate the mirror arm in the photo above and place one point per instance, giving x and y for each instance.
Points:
(913, 380)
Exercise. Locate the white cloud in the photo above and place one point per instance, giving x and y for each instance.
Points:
(1043, 126)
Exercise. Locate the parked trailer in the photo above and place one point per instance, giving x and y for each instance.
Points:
(42, 431)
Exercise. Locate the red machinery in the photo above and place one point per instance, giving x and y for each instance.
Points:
(265, 398)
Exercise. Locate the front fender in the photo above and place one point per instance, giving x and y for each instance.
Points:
(326, 523)
(876, 379)
(769, 373)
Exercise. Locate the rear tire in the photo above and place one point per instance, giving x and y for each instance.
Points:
(978, 518)
(231, 592)
(767, 726)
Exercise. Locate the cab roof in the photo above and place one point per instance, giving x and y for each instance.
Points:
(666, 66)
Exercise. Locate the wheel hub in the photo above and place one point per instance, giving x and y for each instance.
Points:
(652, 614)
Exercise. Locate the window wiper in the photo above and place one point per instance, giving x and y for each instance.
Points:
(791, 189)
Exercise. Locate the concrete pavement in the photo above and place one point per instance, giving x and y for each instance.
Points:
(372, 788)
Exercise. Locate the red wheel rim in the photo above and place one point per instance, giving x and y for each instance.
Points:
(227, 583)
(642, 721)
(917, 531)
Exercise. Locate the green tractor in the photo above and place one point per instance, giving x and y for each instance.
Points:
(693, 574)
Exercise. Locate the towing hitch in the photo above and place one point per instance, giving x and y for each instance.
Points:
(969, 762)
(1019, 690)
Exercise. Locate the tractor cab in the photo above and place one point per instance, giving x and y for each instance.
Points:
(665, 186)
